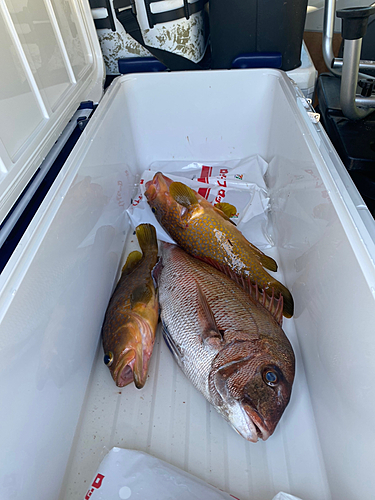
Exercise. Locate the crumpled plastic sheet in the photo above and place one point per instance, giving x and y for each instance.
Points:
(129, 474)
(238, 182)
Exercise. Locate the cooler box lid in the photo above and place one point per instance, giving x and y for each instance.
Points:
(50, 62)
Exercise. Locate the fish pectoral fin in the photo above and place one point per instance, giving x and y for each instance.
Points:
(131, 262)
(156, 272)
(141, 293)
(225, 210)
(210, 332)
(183, 194)
(172, 346)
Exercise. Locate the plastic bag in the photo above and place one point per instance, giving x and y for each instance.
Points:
(238, 173)
(129, 474)
(285, 496)
(238, 182)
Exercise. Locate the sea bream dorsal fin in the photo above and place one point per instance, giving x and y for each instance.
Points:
(273, 304)
(183, 194)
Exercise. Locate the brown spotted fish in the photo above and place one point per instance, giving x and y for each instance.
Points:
(206, 232)
(229, 345)
(131, 318)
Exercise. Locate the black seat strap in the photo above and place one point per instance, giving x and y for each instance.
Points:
(128, 19)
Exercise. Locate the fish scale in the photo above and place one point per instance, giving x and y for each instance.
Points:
(199, 302)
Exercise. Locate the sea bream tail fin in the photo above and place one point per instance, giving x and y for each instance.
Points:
(131, 262)
(210, 332)
(146, 235)
(183, 194)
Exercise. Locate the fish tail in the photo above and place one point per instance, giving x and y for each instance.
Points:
(147, 240)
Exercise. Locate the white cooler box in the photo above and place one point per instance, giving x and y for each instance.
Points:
(60, 409)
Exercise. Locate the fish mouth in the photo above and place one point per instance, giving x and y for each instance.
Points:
(123, 373)
(151, 191)
(262, 430)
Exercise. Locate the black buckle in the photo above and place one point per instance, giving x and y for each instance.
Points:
(108, 22)
(121, 5)
(172, 15)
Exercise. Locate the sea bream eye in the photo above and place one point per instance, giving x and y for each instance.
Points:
(270, 377)
(108, 359)
(153, 209)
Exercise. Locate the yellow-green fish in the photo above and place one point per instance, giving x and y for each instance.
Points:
(131, 318)
(207, 232)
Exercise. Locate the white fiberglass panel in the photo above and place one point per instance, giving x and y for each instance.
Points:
(19, 108)
(208, 121)
(38, 39)
(50, 60)
(51, 312)
(50, 332)
(71, 33)
(329, 263)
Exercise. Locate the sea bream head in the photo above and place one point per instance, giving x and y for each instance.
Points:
(253, 383)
